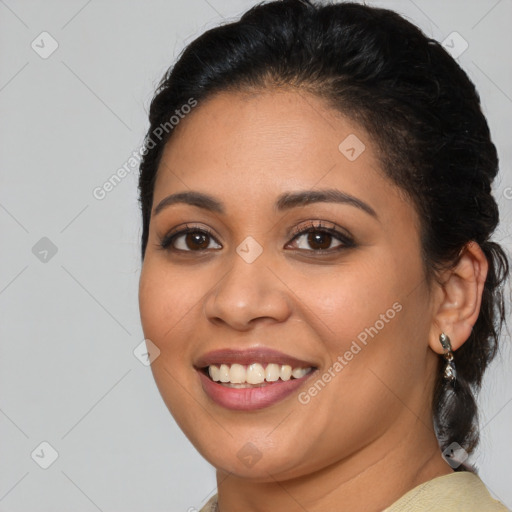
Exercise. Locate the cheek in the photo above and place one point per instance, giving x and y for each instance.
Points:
(165, 300)
(373, 315)
(344, 301)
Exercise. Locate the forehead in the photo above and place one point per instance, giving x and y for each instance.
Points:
(258, 145)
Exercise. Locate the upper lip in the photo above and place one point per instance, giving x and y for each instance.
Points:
(248, 356)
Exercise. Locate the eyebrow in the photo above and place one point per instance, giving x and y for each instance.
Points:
(285, 201)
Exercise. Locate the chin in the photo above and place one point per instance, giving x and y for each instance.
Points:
(245, 460)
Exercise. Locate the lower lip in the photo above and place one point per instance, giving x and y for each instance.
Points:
(249, 399)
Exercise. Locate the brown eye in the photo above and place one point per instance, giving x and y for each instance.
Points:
(196, 241)
(189, 240)
(318, 238)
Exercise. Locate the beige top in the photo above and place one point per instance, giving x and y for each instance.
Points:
(460, 491)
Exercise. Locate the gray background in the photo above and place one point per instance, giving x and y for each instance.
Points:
(70, 320)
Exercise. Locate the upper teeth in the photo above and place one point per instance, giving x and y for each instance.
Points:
(255, 373)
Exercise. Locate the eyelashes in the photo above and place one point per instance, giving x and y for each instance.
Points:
(195, 239)
(320, 228)
(201, 234)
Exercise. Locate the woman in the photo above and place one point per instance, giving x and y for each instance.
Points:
(318, 274)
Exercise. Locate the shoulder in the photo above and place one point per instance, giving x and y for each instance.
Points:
(211, 505)
(462, 491)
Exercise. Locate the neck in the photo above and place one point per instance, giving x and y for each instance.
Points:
(369, 480)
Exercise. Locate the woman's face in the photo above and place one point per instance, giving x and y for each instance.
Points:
(268, 279)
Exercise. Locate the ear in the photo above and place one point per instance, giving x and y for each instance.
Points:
(458, 298)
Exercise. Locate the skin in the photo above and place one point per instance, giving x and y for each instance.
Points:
(370, 427)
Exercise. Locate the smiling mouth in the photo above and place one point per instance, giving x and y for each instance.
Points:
(254, 375)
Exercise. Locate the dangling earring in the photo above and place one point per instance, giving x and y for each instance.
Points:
(450, 373)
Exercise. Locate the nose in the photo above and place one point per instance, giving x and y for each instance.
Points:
(248, 294)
